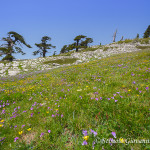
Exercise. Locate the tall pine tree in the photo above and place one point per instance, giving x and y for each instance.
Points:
(147, 32)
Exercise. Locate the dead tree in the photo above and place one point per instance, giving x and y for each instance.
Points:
(114, 36)
(121, 38)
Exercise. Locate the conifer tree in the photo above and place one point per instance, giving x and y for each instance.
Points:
(147, 32)
(12, 41)
(43, 46)
(77, 39)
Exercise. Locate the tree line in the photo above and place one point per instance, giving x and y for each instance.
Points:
(13, 43)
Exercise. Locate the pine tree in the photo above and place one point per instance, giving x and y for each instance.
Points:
(43, 46)
(77, 39)
(147, 32)
(11, 46)
(86, 42)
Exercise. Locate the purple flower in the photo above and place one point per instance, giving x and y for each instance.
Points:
(93, 144)
(140, 91)
(84, 143)
(96, 99)
(53, 115)
(31, 114)
(49, 131)
(23, 126)
(147, 88)
(100, 98)
(24, 111)
(133, 82)
(108, 98)
(41, 134)
(111, 141)
(116, 101)
(31, 108)
(62, 115)
(136, 88)
(114, 134)
(16, 138)
(84, 132)
(95, 133)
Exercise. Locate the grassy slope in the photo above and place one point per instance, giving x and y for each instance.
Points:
(80, 97)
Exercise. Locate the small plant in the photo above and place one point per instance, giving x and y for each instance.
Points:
(89, 49)
(62, 61)
(143, 47)
(145, 41)
(105, 48)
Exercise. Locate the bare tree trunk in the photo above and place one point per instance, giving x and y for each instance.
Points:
(77, 45)
(114, 36)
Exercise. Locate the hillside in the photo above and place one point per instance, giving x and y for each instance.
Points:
(72, 58)
(100, 101)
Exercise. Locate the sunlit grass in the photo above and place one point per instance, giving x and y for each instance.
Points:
(50, 110)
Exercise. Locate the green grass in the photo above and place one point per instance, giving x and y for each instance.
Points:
(125, 41)
(105, 48)
(89, 49)
(107, 95)
(143, 47)
(62, 61)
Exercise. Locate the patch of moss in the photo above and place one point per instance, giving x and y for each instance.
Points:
(61, 61)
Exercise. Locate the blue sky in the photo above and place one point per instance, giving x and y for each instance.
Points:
(62, 20)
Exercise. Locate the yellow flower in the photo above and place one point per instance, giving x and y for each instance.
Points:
(1, 125)
(20, 132)
(86, 138)
(129, 90)
(87, 86)
(122, 140)
(47, 112)
(29, 129)
(2, 121)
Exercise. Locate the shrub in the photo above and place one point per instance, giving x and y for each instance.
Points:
(105, 48)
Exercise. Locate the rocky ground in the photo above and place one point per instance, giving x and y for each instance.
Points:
(22, 66)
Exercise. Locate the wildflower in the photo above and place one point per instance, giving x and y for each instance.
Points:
(84, 132)
(95, 133)
(49, 131)
(41, 134)
(114, 134)
(16, 138)
(96, 99)
(53, 115)
(62, 115)
(116, 101)
(86, 138)
(20, 132)
(147, 88)
(23, 126)
(133, 82)
(93, 144)
(2, 121)
(1, 125)
(47, 112)
(84, 143)
(29, 129)
(122, 140)
(129, 90)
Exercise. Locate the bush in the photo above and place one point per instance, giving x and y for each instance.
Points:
(105, 48)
